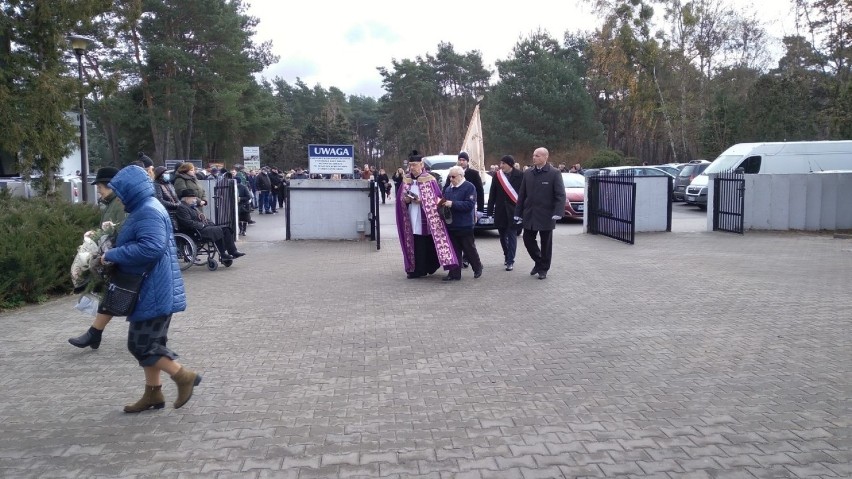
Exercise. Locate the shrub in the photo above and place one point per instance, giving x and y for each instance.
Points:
(38, 241)
(604, 158)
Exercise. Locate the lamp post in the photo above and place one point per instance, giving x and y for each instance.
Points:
(80, 44)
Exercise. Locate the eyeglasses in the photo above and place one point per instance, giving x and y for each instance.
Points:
(453, 176)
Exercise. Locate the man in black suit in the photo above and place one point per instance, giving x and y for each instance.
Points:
(501, 203)
(541, 202)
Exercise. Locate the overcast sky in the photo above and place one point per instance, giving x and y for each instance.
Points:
(344, 43)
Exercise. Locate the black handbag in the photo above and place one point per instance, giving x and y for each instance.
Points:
(122, 292)
(446, 213)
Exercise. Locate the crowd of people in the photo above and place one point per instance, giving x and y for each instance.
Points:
(435, 225)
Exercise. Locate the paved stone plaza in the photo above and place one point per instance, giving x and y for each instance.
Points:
(685, 355)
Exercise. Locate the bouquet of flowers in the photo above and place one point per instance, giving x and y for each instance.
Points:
(87, 273)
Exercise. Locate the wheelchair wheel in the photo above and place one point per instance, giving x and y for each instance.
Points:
(227, 262)
(186, 251)
(212, 264)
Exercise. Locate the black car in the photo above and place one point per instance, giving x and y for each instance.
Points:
(690, 171)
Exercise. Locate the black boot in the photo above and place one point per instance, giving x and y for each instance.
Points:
(92, 338)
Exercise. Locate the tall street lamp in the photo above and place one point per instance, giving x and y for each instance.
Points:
(80, 44)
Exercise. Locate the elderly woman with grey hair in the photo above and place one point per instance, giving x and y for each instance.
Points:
(460, 197)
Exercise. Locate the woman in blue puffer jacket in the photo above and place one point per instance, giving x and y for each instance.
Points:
(145, 243)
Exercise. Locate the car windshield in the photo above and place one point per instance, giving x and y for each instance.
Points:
(573, 180)
(654, 172)
(723, 163)
(688, 170)
(442, 165)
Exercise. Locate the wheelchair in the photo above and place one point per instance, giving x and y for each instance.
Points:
(192, 249)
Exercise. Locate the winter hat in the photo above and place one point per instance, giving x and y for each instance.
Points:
(463, 156)
(146, 161)
(508, 160)
(105, 175)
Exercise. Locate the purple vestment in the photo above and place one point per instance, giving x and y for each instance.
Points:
(430, 193)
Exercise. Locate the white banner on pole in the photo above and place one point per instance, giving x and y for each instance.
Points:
(472, 143)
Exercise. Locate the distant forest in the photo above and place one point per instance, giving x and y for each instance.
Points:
(656, 81)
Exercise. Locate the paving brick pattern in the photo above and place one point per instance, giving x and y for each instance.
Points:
(687, 355)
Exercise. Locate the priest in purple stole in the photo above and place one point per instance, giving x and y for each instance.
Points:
(422, 232)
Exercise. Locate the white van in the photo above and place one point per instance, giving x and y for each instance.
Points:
(779, 158)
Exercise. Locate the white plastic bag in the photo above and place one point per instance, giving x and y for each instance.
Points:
(88, 304)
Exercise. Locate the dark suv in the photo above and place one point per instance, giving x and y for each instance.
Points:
(690, 171)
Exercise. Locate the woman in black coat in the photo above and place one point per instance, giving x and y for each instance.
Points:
(165, 192)
(243, 205)
(397, 179)
(384, 183)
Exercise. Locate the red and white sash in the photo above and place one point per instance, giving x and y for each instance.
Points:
(507, 187)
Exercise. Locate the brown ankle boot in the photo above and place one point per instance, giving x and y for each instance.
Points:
(153, 398)
(186, 380)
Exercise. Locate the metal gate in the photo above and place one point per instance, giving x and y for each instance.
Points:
(612, 206)
(225, 204)
(375, 224)
(728, 202)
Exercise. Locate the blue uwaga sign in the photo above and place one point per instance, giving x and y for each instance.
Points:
(330, 159)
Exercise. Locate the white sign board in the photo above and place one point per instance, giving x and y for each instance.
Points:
(251, 157)
(331, 159)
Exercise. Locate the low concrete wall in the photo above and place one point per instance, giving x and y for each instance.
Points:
(811, 201)
(652, 204)
(329, 209)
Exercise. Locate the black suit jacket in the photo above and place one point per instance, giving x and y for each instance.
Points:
(541, 197)
(499, 203)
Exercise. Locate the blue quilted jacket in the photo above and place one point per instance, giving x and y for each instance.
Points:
(145, 238)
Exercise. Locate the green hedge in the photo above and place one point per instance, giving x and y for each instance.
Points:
(604, 158)
(38, 240)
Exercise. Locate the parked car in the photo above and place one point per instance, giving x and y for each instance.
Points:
(671, 168)
(638, 171)
(794, 157)
(575, 195)
(440, 176)
(486, 221)
(440, 162)
(685, 177)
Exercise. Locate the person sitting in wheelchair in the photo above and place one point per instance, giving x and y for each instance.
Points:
(190, 220)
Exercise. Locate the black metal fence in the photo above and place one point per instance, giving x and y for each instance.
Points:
(225, 204)
(612, 206)
(375, 224)
(728, 202)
